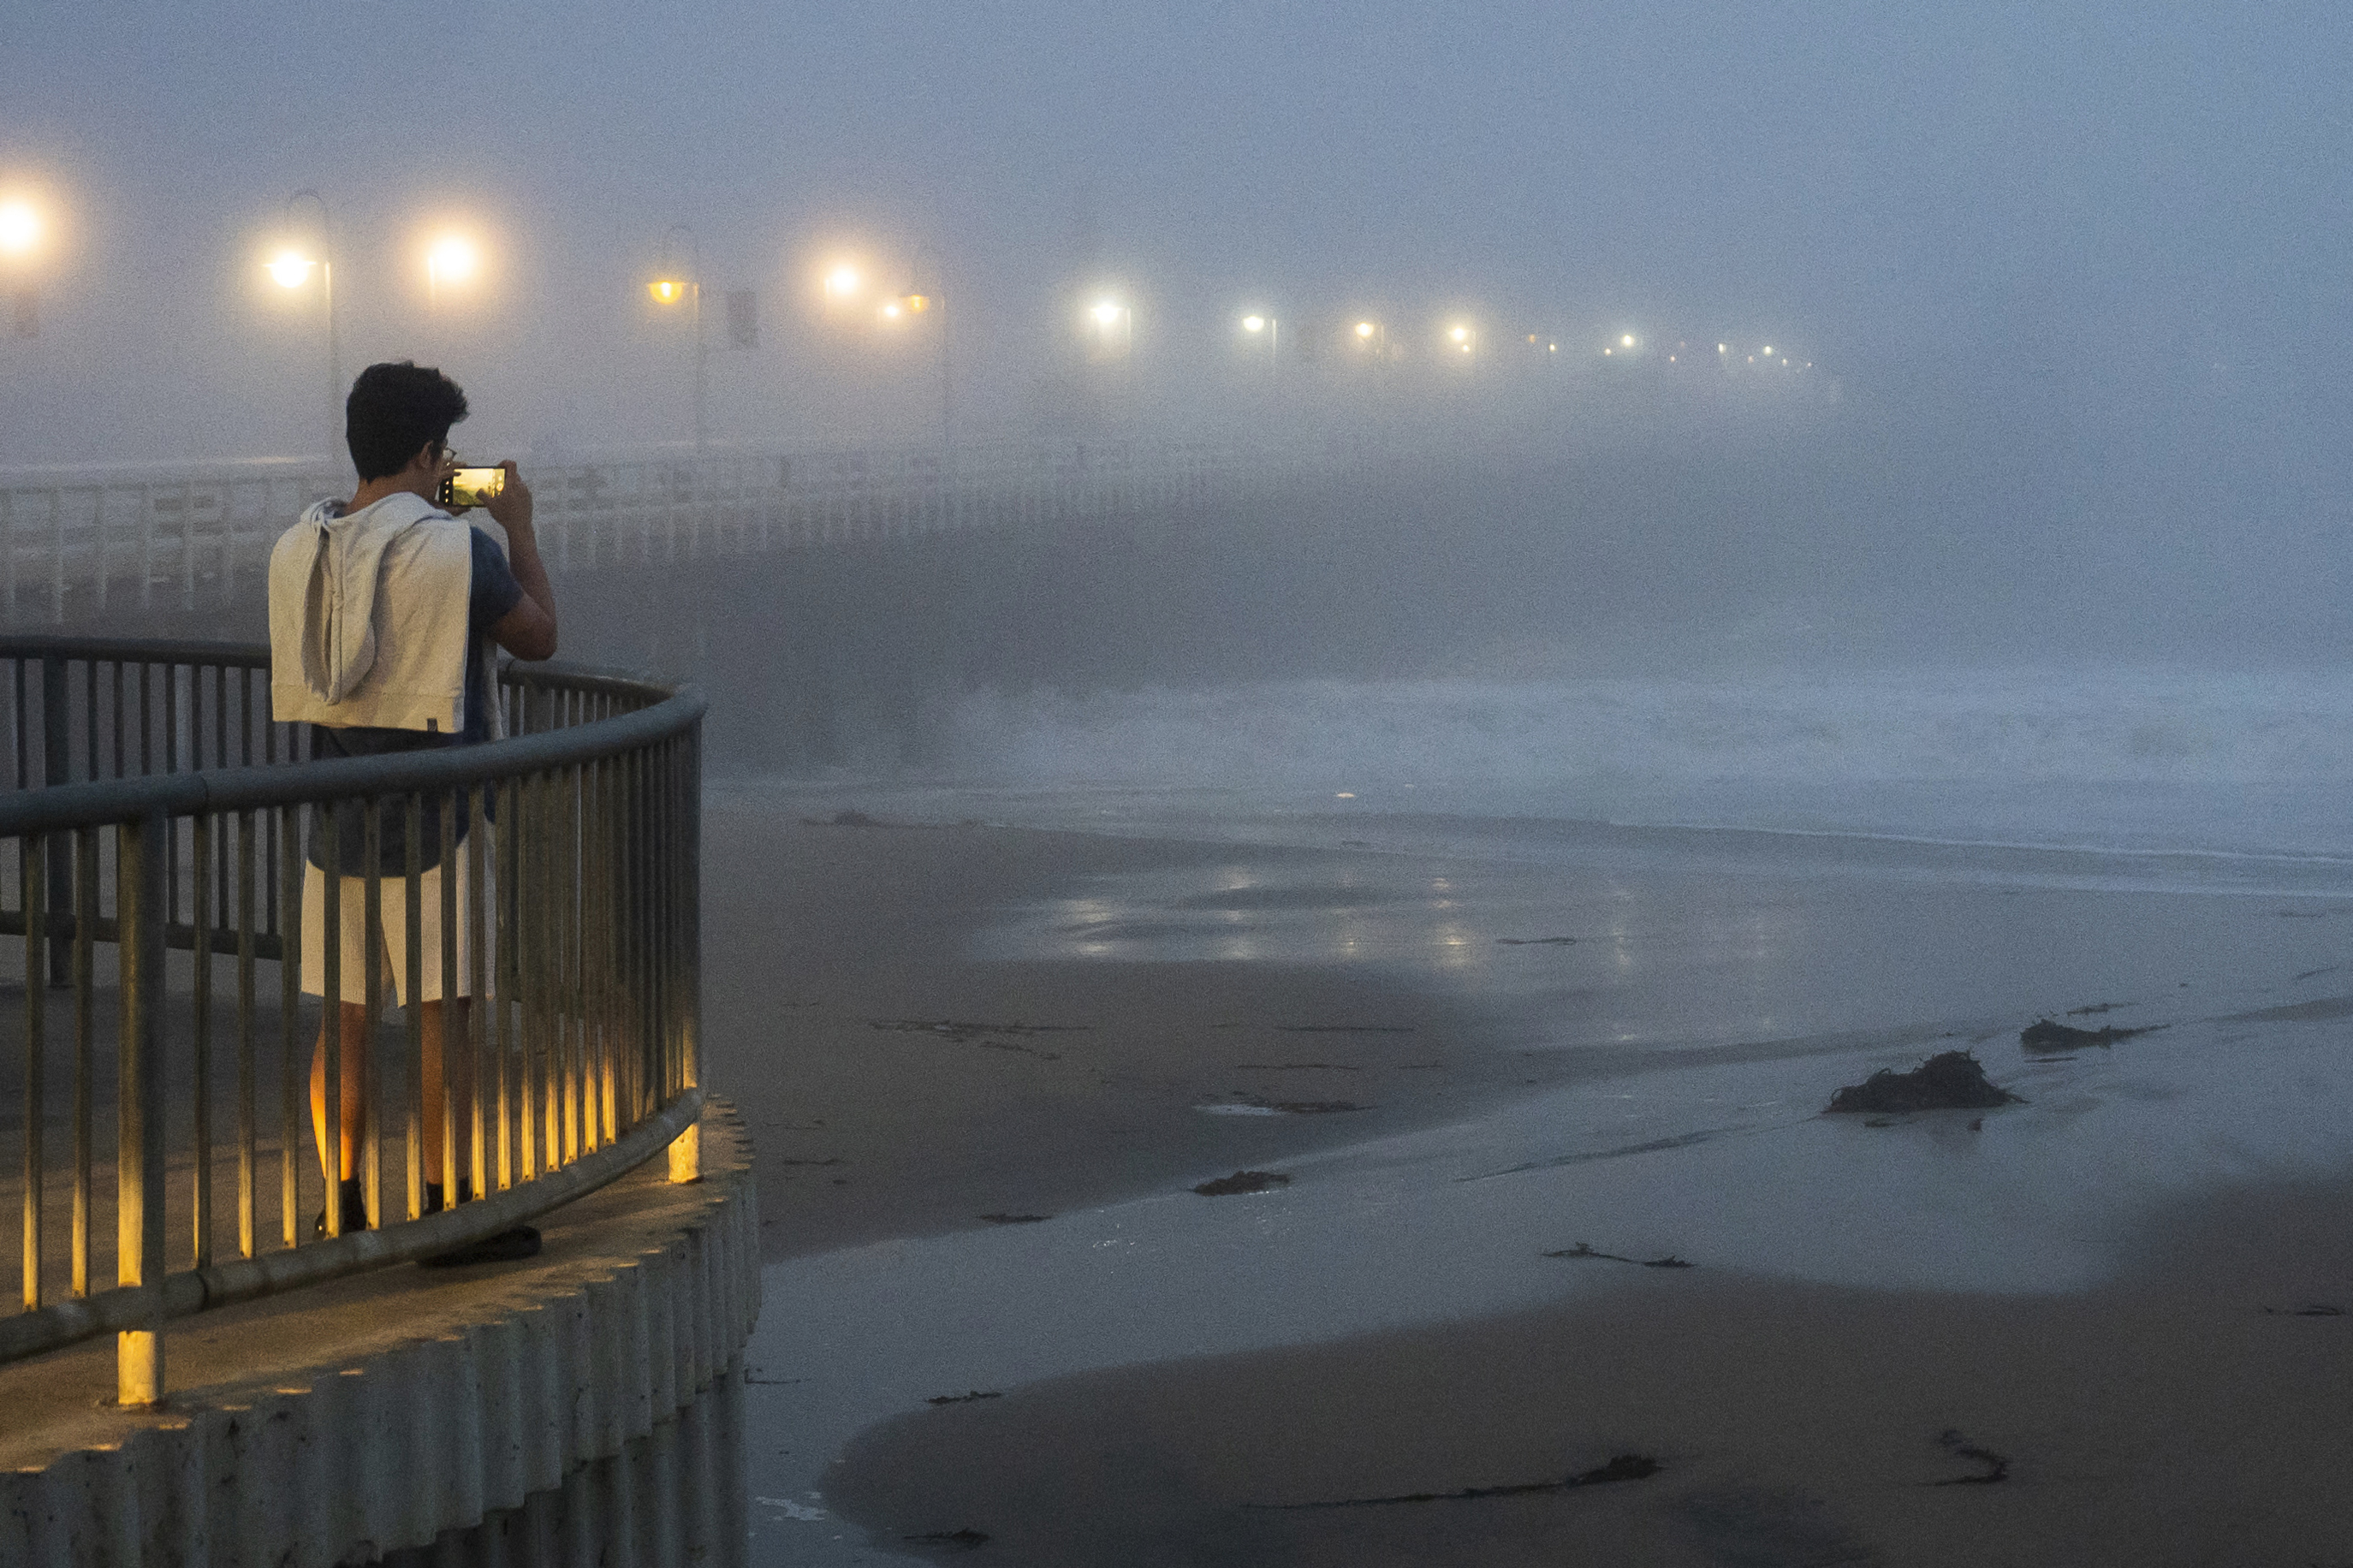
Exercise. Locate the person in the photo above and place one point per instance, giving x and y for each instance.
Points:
(383, 613)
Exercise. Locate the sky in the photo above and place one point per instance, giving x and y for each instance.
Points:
(2111, 235)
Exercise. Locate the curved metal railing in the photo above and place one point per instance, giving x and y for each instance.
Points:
(152, 869)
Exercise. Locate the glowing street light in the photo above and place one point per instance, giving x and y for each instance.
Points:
(842, 283)
(1114, 325)
(1465, 340)
(915, 302)
(669, 289)
(289, 269)
(1626, 342)
(1254, 324)
(451, 259)
(20, 228)
(20, 236)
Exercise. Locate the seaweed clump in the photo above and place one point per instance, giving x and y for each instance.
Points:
(2043, 1034)
(1952, 1080)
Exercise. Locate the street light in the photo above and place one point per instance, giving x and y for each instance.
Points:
(915, 302)
(1272, 328)
(1114, 325)
(20, 236)
(671, 290)
(451, 259)
(842, 283)
(20, 228)
(1465, 340)
(291, 269)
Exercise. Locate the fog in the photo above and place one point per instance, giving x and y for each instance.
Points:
(2061, 286)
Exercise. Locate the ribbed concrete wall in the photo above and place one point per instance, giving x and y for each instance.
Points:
(671, 1499)
(564, 1395)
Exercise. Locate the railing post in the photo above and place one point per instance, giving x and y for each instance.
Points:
(683, 783)
(56, 742)
(139, 1157)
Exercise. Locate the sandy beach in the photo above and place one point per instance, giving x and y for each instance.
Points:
(986, 1067)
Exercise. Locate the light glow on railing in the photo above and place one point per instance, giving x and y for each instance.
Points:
(583, 1050)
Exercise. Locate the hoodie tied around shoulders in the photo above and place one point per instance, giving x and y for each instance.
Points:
(368, 617)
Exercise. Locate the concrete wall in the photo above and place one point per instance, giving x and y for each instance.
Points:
(561, 1409)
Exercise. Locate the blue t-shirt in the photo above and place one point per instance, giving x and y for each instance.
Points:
(491, 598)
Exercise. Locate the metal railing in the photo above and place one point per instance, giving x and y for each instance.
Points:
(153, 870)
(199, 538)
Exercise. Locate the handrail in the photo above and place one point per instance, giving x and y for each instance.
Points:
(564, 867)
(337, 778)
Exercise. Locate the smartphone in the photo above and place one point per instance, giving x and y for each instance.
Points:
(471, 487)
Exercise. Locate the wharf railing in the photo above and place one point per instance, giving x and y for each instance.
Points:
(95, 539)
(176, 1069)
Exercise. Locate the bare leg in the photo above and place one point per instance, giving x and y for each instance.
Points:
(353, 1096)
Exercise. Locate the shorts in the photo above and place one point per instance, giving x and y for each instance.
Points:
(394, 916)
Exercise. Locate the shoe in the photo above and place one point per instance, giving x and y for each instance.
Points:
(507, 1246)
(355, 1200)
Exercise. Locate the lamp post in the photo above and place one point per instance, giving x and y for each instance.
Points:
(1272, 327)
(1114, 325)
(20, 238)
(451, 259)
(914, 301)
(669, 289)
(291, 269)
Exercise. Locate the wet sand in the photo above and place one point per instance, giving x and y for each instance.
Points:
(2186, 1413)
(2072, 1293)
(896, 1086)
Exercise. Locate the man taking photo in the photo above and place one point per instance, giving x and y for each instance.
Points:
(384, 614)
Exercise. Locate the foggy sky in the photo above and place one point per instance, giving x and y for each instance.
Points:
(2115, 233)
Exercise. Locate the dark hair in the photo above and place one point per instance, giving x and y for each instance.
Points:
(394, 410)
